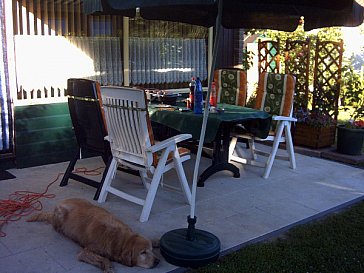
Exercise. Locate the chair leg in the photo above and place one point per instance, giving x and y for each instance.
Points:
(182, 176)
(251, 143)
(69, 170)
(151, 196)
(107, 166)
(144, 177)
(242, 159)
(232, 146)
(154, 186)
(275, 146)
(289, 146)
(107, 182)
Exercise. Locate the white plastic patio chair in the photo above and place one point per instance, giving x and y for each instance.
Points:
(274, 95)
(132, 145)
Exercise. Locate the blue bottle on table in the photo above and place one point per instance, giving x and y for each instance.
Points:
(198, 97)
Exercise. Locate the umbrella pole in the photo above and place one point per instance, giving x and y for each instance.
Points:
(192, 218)
(193, 247)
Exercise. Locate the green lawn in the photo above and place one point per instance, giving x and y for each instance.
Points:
(334, 244)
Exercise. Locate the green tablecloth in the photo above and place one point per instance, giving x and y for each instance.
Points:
(257, 122)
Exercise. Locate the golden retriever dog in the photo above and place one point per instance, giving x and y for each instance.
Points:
(104, 238)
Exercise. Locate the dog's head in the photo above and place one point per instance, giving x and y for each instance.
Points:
(139, 252)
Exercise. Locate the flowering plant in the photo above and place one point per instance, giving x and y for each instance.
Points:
(355, 124)
(314, 118)
(356, 120)
(354, 98)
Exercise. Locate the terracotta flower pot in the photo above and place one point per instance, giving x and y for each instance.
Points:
(349, 141)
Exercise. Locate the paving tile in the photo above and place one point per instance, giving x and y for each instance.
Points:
(23, 236)
(4, 251)
(255, 221)
(288, 210)
(321, 197)
(64, 251)
(230, 235)
(218, 183)
(12, 264)
(81, 267)
(35, 261)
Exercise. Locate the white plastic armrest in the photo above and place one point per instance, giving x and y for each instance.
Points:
(167, 142)
(284, 118)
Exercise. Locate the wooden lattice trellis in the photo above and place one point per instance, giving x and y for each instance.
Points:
(268, 56)
(297, 62)
(327, 77)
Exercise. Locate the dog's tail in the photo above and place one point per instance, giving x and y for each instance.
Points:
(41, 217)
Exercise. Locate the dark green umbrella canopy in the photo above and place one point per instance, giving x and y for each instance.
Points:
(262, 14)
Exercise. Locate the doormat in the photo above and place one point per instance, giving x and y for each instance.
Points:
(4, 175)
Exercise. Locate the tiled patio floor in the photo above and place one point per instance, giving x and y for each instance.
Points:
(237, 210)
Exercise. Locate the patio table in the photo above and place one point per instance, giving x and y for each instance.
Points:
(218, 130)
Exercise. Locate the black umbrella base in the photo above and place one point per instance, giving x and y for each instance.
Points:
(179, 251)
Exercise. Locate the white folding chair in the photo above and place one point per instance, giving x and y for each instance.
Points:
(132, 145)
(274, 95)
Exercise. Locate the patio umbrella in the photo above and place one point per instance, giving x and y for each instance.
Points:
(195, 247)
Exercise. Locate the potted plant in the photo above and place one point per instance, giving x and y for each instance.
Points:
(313, 129)
(350, 137)
(350, 134)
